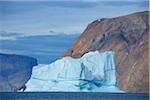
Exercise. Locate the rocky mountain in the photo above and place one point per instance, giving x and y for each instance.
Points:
(15, 71)
(128, 37)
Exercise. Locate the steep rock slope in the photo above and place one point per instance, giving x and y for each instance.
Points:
(15, 71)
(128, 37)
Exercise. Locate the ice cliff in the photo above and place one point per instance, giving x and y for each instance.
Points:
(93, 72)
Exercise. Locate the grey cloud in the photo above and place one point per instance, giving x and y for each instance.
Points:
(144, 4)
(5, 34)
(71, 4)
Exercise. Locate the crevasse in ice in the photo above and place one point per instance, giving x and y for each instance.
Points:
(93, 72)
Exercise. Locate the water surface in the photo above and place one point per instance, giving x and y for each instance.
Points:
(45, 48)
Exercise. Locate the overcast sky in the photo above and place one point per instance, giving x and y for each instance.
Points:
(37, 17)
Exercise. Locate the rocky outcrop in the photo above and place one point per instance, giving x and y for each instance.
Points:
(15, 71)
(128, 37)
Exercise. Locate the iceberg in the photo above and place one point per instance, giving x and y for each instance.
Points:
(93, 72)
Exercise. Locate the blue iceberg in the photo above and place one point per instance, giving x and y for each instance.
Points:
(93, 72)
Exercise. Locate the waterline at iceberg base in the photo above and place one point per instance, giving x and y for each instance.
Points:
(93, 72)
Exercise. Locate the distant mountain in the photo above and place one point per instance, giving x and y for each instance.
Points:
(128, 37)
(51, 32)
(15, 71)
(4, 35)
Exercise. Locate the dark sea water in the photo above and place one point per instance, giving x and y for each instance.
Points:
(45, 48)
(73, 96)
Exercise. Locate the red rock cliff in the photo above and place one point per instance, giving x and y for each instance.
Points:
(128, 37)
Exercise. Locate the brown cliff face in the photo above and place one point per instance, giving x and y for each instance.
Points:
(128, 37)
